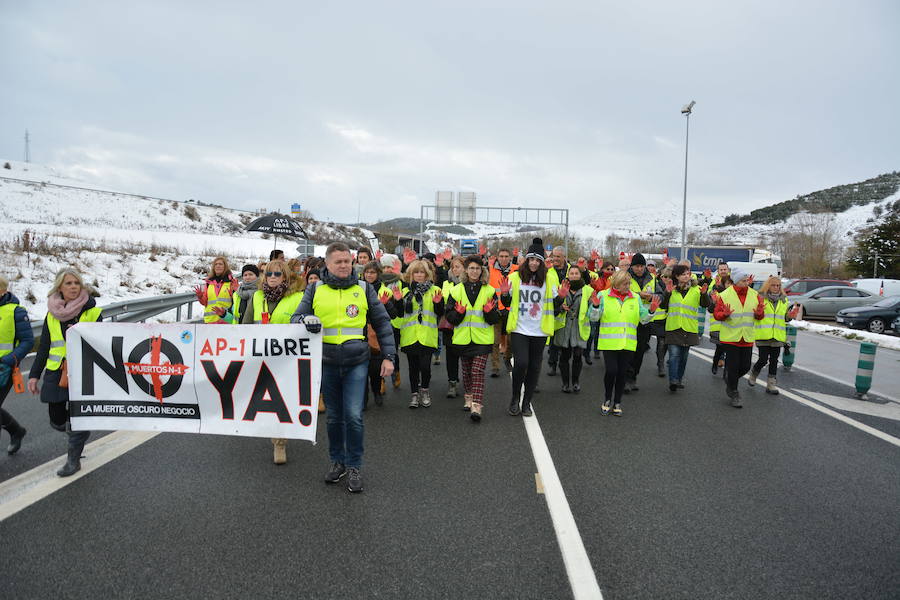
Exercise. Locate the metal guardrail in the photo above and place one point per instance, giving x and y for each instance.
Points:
(139, 310)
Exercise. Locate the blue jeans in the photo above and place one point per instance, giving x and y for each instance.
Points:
(593, 338)
(344, 389)
(678, 356)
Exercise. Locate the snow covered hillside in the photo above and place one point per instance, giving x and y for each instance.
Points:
(127, 247)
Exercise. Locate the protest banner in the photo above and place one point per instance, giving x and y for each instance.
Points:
(252, 380)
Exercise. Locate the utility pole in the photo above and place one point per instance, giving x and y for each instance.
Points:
(875, 267)
(686, 111)
(27, 148)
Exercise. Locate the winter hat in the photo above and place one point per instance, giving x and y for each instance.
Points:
(738, 273)
(651, 263)
(536, 249)
(388, 260)
(638, 259)
(252, 268)
(429, 256)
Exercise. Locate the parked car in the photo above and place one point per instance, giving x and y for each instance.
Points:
(876, 318)
(827, 301)
(798, 287)
(896, 325)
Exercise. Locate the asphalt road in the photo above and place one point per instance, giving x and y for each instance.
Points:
(682, 497)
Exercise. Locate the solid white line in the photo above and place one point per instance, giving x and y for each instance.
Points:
(827, 411)
(578, 566)
(24, 490)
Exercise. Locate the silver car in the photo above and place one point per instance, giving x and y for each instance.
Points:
(825, 302)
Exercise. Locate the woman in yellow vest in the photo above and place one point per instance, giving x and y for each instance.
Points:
(571, 339)
(422, 309)
(721, 283)
(68, 304)
(455, 275)
(737, 309)
(472, 310)
(275, 301)
(216, 291)
(533, 299)
(771, 331)
(620, 312)
(391, 268)
(16, 341)
(683, 301)
(371, 274)
(658, 324)
(243, 296)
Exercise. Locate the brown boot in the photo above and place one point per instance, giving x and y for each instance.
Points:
(280, 450)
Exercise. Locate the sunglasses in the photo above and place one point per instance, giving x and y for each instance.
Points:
(274, 273)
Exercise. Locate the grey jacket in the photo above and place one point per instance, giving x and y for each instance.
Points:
(352, 352)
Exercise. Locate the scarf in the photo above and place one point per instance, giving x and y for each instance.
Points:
(418, 291)
(452, 278)
(247, 290)
(774, 298)
(389, 279)
(339, 283)
(576, 284)
(273, 295)
(66, 311)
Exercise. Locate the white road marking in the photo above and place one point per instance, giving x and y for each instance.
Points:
(885, 411)
(24, 490)
(825, 410)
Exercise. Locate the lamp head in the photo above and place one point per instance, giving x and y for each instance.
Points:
(687, 108)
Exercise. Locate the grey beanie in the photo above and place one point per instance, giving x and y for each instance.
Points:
(737, 273)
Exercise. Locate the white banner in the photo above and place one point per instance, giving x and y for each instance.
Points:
(251, 380)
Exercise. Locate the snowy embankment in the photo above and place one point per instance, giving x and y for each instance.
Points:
(882, 339)
(126, 247)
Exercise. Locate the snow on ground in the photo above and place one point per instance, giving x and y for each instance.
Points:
(883, 340)
(126, 247)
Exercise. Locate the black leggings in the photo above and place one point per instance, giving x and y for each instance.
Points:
(617, 363)
(419, 359)
(719, 354)
(451, 357)
(527, 353)
(737, 364)
(565, 354)
(768, 354)
(7, 421)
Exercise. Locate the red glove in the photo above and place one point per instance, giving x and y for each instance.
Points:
(703, 288)
(516, 251)
(219, 310)
(581, 263)
(597, 284)
(670, 286)
(563, 290)
(448, 253)
(408, 256)
(795, 310)
(707, 273)
(482, 250)
(438, 296)
(595, 255)
(750, 281)
(595, 299)
(460, 308)
(489, 305)
(398, 293)
(397, 266)
(654, 304)
(385, 297)
(504, 286)
(379, 254)
(201, 295)
(565, 307)
(727, 311)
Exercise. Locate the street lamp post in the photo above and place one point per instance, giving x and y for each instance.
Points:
(686, 111)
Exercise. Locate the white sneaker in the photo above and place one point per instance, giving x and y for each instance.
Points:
(414, 401)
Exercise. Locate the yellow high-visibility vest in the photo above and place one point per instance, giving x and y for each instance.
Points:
(281, 313)
(618, 323)
(548, 325)
(740, 324)
(58, 342)
(684, 310)
(772, 326)
(473, 329)
(213, 300)
(342, 311)
(426, 331)
(7, 328)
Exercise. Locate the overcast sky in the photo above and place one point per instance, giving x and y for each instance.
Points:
(373, 106)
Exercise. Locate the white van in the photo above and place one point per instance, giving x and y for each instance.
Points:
(760, 271)
(873, 286)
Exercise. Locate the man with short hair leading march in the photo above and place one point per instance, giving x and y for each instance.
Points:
(340, 305)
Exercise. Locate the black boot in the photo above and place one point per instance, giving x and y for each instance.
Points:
(513, 410)
(552, 370)
(15, 440)
(564, 375)
(526, 408)
(73, 462)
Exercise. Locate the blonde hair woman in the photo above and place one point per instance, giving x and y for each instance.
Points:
(423, 307)
(455, 274)
(771, 331)
(69, 303)
(276, 300)
(216, 291)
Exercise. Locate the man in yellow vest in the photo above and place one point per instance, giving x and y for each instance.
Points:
(642, 285)
(340, 305)
(16, 341)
